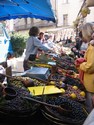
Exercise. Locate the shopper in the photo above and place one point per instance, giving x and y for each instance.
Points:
(49, 42)
(87, 66)
(32, 46)
(80, 47)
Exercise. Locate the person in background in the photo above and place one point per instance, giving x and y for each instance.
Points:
(32, 46)
(87, 65)
(80, 47)
(92, 41)
(49, 42)
(41, 37)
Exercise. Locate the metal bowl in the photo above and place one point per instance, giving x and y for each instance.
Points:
(9, 93)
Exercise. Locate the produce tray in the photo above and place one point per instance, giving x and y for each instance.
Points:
(38, 90)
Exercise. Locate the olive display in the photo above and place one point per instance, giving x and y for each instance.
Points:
(66, 63)
(18, 106)
(25, 81)
(57, 78)
(77, 111)
(74, 81)
(73, 92)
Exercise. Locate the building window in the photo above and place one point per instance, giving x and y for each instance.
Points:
(65, 19)
(65, 1)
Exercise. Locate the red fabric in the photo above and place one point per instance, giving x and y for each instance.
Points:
(81, 75)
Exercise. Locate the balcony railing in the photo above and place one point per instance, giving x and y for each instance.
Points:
(27, 26)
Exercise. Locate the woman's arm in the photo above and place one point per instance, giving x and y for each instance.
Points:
(40, 46)
(88, 66)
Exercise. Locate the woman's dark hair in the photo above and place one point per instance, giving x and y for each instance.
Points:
(34, 31)
(41, 33)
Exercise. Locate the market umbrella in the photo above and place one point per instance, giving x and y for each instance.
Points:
(39, 9)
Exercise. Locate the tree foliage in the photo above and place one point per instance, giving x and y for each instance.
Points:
(18, 44)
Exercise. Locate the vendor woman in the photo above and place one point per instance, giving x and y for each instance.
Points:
(32, 46)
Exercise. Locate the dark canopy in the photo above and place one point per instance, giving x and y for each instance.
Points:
(40, 9)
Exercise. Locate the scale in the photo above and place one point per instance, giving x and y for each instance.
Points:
(39, 72)
(43, 73)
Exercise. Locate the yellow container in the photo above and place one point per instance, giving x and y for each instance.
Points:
(38, 90)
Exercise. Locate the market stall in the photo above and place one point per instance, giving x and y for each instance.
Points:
(43, 87)
(51, 81)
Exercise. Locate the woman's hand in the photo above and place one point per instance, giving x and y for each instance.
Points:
(79, 61)
(82, 52)
(77, 64)
(74, 49)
